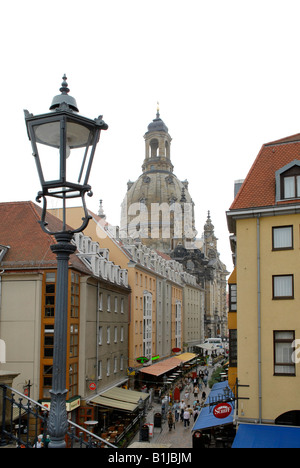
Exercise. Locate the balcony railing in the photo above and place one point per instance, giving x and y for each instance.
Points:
(23, 420)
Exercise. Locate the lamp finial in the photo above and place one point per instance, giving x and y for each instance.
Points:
(64, 86)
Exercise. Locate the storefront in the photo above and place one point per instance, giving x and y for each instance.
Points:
(215, 421)
(119, 412)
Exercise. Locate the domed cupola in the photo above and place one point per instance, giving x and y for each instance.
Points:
(154, 204)
(157, 125)
(158, 142)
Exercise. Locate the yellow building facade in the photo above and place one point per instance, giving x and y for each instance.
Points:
(264, 221)
(232, 330)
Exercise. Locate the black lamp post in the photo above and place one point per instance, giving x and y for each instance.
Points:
(62, 140)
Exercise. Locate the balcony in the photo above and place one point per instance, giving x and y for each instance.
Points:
(23, 420)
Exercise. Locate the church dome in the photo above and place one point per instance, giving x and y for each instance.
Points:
(158, 201)
(158, 187)
(157, 125)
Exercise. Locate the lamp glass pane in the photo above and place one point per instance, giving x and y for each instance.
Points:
(48, 134)
(77, 135)
(50, 162)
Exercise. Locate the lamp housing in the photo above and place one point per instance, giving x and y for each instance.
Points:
(63, 144)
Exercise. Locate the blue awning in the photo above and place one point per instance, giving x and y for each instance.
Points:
(265, 436)
(206, 418)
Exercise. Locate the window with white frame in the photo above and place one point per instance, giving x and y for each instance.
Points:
(115, 365)
(116, 334)
(122, 334)
(147, 324)
(283, 352)
(178, 324)
(283, 287)
(108, 334)
(108, 303)
(108, 367)
(100, 335)
(116, 304)
(99, 370)
(288, 181)
(121, 362)
(122, 305)
(100, 301)
(232, 297)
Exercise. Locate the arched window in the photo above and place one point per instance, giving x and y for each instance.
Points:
(154, 148)
(290, 418)
(167, 149)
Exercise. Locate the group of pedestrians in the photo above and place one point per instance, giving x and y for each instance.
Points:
(183, 410)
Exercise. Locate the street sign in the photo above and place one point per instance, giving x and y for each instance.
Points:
(92, 386)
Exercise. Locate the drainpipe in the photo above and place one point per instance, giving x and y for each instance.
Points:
(259, 319)
(97, 332)
(1, 273)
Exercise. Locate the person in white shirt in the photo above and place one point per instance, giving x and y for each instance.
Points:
(182, 408)
(186, 418)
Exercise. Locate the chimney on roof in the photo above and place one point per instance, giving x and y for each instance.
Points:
(237, 186)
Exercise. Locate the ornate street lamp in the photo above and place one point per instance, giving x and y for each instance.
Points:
(64, 145)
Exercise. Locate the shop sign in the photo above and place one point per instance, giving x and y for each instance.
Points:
(92, 386)
(222, 410)
(176, 350)
(71, 405)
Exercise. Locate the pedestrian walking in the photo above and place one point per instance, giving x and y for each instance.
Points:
(186, 418)
(182, 408)
(195, 413)
(187, 394)
(170, 420)
(176, 410)
(196, 391)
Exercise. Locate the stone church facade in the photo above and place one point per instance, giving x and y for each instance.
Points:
(158, 211)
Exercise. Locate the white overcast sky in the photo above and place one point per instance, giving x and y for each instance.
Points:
(226, 74)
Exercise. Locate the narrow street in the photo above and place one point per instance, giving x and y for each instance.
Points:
(178, 437)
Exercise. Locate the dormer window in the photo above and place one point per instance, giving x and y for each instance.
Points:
(288, 181)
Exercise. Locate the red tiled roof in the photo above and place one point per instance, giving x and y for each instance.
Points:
(163, 255)
(258, 189)
(29, 244)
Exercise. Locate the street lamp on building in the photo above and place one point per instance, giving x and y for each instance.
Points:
(64, 145)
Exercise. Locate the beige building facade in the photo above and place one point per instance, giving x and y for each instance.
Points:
(27, 300)
(158, 315)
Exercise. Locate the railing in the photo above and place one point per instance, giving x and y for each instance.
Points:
(23, 419)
